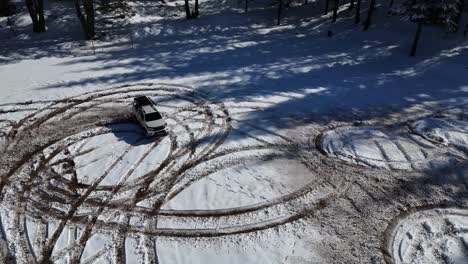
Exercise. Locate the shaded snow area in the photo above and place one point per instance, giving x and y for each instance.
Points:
(284, 145)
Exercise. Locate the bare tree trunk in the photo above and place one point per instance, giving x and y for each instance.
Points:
(80, 15)
(327, 5)
(89, 10)
(416, 39)
(4, 7)
(358, 12)
(246, 5)
(391, 4)
(280, 7)
(188, 13)
(187, 10)
(466, 31)
(40, 14)
(86, 18)
(459, 15)
(351, 5)
(36, 12)
(195, 14)
(335, 10)
(369, 15)
(32, 13)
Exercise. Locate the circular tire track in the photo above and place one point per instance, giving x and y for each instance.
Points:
(394, 149)
(449, 132)
(428, 234)
(39, 180)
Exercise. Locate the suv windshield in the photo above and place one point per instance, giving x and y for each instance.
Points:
(153, 116)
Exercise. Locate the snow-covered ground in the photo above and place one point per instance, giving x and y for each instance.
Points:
(399, 149)
(445, 131)
(285, 145)
(431, 236)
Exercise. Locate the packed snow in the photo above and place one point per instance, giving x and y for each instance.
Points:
(395, 149)
(287, 144)
(444, 131)
(431, 236)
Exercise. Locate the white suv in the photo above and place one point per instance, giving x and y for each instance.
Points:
(148, 116)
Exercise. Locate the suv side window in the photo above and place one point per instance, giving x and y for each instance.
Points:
(140, 114)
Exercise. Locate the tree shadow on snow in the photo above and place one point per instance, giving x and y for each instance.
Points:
(287, 70)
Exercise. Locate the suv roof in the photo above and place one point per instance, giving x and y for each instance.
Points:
(146, 105)
(148, 109)
(143, 100)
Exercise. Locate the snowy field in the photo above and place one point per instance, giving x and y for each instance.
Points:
(284, 145)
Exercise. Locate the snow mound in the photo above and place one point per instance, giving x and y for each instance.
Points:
(446, 131)
(430, 236)
(390, 149)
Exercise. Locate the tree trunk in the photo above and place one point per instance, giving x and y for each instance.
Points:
(40, 14)
(351, 5)
(195, 14)
(459, 15)
(369, 15)
(190, 14)
(358, 12)
(416, 39)
(32, 13)
(391, 4)
(327, 4)
(80, 16)
(4, 7)
(86, 18)
(36, 12)
(187, 10)
(89, 10)
(335, 10)
(246, 5)
(280, 7)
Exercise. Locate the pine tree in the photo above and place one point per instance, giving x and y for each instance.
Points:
(436, 12)
(432, 12)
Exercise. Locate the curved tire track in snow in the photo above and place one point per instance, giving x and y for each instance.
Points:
(39, 169)
(389, 149)
(427, 234)
(449, 132)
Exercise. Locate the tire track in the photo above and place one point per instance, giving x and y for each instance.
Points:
(86, 233)
(58, 195)
(370, 146)
(404, 227)
(47, 252)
